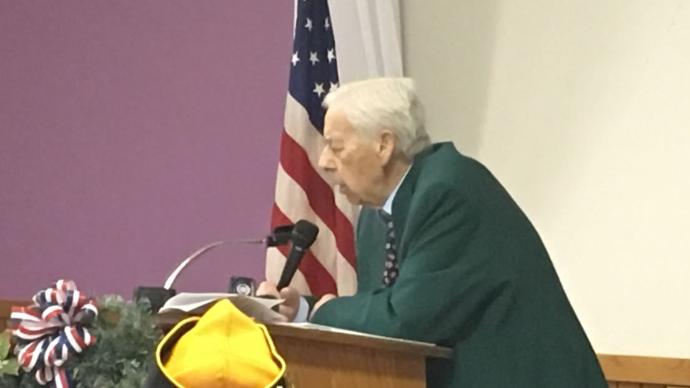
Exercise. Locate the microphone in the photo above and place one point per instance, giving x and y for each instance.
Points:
(281, 235)
(157, 296)
(303, 236)
(173, 276)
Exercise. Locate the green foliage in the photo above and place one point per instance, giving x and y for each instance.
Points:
(8, 365)
(126, 335)
(4, 344)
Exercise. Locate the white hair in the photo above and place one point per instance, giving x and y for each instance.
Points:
(383, 103)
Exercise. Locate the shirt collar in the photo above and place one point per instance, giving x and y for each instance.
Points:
(388, 205)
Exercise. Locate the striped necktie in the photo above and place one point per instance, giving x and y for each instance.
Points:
(390, 265)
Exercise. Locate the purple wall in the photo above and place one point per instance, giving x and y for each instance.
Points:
(131, 133)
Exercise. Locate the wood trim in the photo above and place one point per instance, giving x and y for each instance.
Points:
(646, 370)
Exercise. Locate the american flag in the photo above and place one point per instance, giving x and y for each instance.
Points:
(301, 189)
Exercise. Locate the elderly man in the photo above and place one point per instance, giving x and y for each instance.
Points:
(444, 254)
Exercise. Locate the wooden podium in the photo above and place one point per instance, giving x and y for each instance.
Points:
(319, 358)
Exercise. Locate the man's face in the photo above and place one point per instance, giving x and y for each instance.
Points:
(354, 161)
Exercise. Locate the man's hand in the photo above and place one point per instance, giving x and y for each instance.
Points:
(320, 303)
(289, 307)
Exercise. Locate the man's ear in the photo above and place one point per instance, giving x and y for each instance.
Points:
(386, 145)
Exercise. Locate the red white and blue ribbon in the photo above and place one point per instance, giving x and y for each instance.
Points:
(51, 330)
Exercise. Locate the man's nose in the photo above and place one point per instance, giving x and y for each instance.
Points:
(325, 162)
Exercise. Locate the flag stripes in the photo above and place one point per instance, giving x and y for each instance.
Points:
(302, 192)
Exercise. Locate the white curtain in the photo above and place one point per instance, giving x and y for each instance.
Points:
(368, 38)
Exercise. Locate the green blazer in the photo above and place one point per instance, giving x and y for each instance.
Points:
(474, 276)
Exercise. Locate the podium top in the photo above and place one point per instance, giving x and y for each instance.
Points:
(327, 334)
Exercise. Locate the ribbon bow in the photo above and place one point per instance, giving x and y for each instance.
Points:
(51, 330)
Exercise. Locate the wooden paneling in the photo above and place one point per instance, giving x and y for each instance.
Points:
(321, 364)
(333, 359)
(646, 372)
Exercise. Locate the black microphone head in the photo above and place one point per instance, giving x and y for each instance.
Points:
(304, 234)
(281, 235)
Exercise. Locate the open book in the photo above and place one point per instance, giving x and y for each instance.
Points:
(257, 308)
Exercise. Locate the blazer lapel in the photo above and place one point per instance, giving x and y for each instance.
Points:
(403, 198)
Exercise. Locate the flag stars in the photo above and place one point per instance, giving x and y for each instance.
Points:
(334, 87)
(295, 58)
(327, 24)
(309, 25)
(330, 55)
(318, 89)
(313, 57)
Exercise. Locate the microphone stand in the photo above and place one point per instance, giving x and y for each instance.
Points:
(173, 276)
(157, 296)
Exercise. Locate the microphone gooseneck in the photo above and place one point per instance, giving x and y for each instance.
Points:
(173, 276)
(281, 235)
(301, 235)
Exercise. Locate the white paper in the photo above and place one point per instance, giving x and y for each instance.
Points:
(257, 308)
